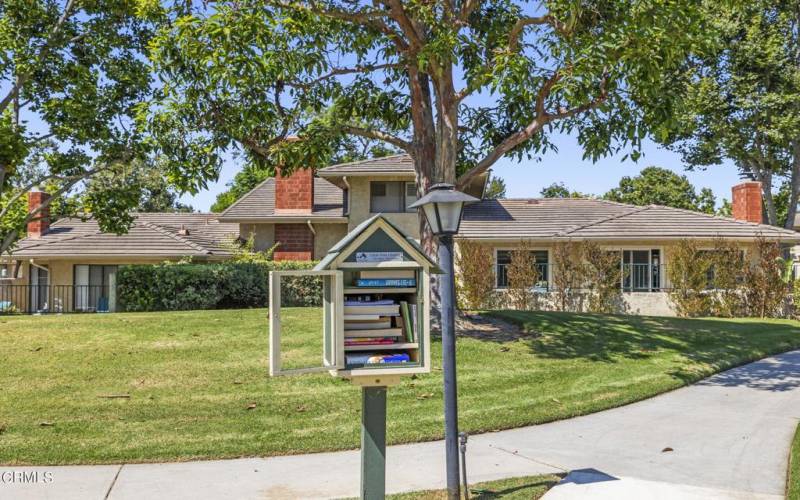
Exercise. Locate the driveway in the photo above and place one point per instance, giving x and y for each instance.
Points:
(726, 437)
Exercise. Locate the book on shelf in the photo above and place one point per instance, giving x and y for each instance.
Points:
(387, 274)
(408, 328)
(366, 300)
(369, 341)
(385, 310)
(386, 282)
(362, 317)
(354, 323)
(369, 358)
(414, 321)
(372, 332)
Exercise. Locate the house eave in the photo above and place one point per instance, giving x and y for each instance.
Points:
(284, 219)
(367, 173)
(516, 239)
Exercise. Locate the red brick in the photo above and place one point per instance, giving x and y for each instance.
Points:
(41, 222)
(296, 242)
(747, 204)
(294, 193)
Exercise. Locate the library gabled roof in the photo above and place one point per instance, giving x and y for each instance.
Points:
(342, 246)
(583, 218)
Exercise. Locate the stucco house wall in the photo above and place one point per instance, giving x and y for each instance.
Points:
(359, 194)
(650, 303)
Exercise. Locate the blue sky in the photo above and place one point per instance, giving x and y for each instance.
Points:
(526, 179)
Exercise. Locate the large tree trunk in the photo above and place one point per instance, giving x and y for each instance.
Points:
(794, 182)
(764, 176)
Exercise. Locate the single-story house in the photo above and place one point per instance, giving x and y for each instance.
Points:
(71, 266)
(306, 212)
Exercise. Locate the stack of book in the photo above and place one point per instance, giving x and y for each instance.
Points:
(369, 322)
(387, 278)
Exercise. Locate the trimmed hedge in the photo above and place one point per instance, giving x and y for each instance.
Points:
(229, 285)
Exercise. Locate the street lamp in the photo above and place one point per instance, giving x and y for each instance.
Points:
(443, 206)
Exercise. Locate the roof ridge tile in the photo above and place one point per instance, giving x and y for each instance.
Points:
(177, 237)
(578, 227)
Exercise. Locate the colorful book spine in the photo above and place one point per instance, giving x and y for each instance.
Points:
(386, 283)
(407, 325)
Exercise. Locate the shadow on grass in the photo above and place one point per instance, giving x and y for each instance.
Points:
(715, 343)
(525, 490)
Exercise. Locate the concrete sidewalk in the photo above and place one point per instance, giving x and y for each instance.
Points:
(725, 437)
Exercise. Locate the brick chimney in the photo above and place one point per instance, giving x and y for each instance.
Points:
(294, 194)
(41, 221)
(747, 202)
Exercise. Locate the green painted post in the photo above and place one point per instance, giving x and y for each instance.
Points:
(373, 443)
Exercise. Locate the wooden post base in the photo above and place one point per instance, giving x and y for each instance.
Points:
(373, 443)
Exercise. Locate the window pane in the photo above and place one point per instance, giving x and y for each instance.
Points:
(411, 195)
(386, 197)
(541, 260)
(503, 259)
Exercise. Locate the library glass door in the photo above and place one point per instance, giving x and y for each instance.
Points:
(305, 322)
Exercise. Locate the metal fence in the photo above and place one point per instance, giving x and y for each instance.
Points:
(48, 299)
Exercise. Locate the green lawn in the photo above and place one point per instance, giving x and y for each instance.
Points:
(793, 474)
(516, 488)
(198, 386)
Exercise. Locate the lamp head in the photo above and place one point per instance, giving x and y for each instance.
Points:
(443, 206)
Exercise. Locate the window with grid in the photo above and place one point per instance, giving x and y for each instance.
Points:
(540, 258)
(391, 196)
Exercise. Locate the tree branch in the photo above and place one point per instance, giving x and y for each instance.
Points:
(541, 119)
(48, 45)
(368, 68)
(516, 30)
(377, 135)
(466, 10)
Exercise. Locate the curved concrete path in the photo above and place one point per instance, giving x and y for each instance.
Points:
(725, 437)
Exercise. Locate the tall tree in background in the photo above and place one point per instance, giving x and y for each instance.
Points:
(495, 188)
(70, 74)
(743, 100)
(559, 190)
(458, 84)
(659, 186)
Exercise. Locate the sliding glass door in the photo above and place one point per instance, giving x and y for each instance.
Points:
(95, 288)
(39, 281)
(641, 270)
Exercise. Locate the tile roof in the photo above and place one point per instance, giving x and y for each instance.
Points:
(582, 218)
(394, 164)
(152, 235)
(260, 202)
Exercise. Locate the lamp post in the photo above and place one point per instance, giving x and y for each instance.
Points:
(443, 206)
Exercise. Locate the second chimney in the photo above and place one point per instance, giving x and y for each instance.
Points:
(294, 194)
(747, 203)
(40, 223)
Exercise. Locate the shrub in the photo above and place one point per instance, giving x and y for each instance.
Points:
(522, 277)
(728, 267)
(688, 274)
(603, 277)
(171, 287)
(765, 288)
(796, 298)
(476, 278)
(568, 273)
